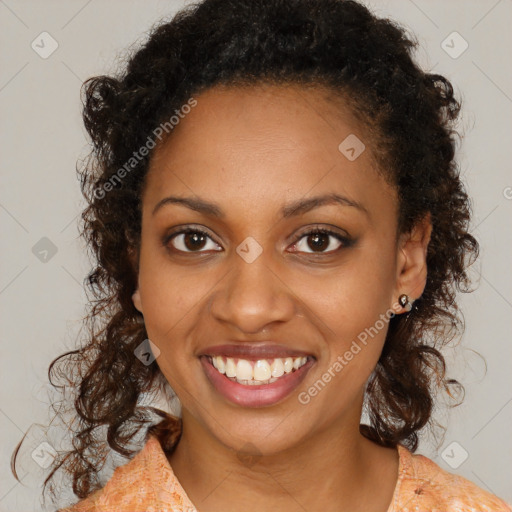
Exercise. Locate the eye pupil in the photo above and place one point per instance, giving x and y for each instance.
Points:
(198, 240)
(318, 243)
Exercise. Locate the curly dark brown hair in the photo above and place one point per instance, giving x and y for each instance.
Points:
(411, 114)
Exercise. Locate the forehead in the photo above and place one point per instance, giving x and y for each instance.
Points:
(264, 146)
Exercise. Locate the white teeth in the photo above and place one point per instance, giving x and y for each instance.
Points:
(258, 372)
(243, 370)
(230, 368)
(261, 370)
(221, 366)
(256, 382)
(277, 368)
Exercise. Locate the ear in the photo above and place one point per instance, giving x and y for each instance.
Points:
(133, 255)
(136, 300)
(411, 275)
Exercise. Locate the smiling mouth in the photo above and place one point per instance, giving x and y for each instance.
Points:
(253, 376)
(256, 372)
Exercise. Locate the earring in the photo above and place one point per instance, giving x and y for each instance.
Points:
(403, 300)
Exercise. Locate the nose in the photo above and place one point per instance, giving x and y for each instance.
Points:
(253, 295)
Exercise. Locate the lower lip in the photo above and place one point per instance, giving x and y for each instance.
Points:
(257, 395)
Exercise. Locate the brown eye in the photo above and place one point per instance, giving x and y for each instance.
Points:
(191, 240)
(318, 241)
(321, 242)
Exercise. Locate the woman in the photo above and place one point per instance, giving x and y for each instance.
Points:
(280, 231)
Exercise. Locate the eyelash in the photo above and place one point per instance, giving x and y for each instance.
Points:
(345, 241)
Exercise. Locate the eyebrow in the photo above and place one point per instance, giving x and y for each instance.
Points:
(298, 207)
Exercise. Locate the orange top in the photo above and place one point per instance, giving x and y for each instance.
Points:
(147, 483)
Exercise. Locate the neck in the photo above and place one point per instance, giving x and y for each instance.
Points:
(336, 469)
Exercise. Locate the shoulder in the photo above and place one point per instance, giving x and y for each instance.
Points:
(423, 485)
(146, 483)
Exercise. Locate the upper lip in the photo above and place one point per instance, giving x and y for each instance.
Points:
(253, 350)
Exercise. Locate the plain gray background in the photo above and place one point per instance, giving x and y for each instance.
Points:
(42, 302)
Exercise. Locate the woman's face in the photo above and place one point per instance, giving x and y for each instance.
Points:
(254, 169)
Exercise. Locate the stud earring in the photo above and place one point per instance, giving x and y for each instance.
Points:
(403, 300)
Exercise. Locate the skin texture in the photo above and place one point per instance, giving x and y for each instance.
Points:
(251, 151)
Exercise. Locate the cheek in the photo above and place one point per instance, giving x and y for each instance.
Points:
(353, 305)
(353, 296)
(169, 298)
(169, 293)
